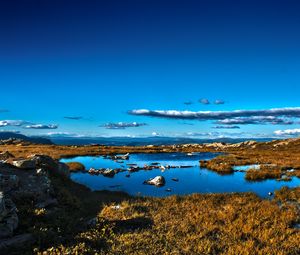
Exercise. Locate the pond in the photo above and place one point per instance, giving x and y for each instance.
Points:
(190, 180)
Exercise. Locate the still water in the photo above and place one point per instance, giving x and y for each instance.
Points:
(190, 180)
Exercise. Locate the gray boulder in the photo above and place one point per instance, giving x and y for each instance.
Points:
(108, 173)
(46, 162)
(157, 181)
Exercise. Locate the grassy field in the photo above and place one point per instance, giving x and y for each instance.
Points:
(195, 224)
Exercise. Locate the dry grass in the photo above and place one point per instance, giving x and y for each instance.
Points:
(75, 166)
(196, 224)
(263, 173)
(217, 165)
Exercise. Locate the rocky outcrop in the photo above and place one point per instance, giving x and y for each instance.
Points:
(24, 163)
(157, 181)
(44, 161)
(25, 179)
(47, 164)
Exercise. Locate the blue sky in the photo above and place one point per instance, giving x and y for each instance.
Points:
(100, 59)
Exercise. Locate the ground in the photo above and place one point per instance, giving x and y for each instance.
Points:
(86, 222)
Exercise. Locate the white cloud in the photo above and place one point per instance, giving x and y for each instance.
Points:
(41, 126)
(62, 134)
(204, 101)
(255, 120)
(219, 101)
(288, 132)
(122, 125)
(293, 112)
(13, 123)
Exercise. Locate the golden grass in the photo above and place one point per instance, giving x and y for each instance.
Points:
(265, 172)
(75, 166)
(218, 165)
(197, 224)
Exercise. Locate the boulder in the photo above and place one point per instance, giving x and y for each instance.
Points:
(24, 163)
(45, 162)
(157, 181)
(108, 173)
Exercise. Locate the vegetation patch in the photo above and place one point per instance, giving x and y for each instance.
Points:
(263, 173)
(218, 165)
(76, 166)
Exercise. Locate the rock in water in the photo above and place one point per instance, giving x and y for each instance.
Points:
(108, 173)
(157, 181)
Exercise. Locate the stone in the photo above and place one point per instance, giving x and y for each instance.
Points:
(157, 181)
(24, 163)
(45, 162)
(108, 173)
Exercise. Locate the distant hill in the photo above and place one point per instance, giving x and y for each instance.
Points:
(38, 140)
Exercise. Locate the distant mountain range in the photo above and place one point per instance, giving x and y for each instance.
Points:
(120, 141)
(129, 141)
(38, 140)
